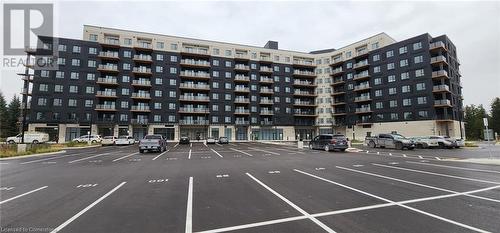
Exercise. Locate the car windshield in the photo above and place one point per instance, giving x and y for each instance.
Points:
(123, 137)
(398, 136)
(108, 137)
(152, 137)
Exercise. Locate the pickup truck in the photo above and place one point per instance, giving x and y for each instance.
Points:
(396, 141)
(153, 142)
(29, 137)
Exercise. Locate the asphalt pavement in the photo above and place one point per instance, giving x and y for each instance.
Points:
(249, 187)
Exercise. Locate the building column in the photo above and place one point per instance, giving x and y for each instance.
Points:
(62, 133)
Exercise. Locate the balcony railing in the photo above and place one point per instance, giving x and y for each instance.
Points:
(360, 64)
(109, 54)
(241, 67)
(266, 80)
(361, 87)
(440, 73)
(297, 92)
(113, 81)
(304, 103)
(441, 88)
(266, 122)
(108, 67)
(241, 89)
(242, 100)
(141, 95)
(303, 83)
(304, 72)
(265, 69)
(139, 121)
(361, 75)
(241, 56)
(25, 91)
(442, 102)
(195, 98)
(198, 74)
(194, 110)
(241, 122)
(362, 98)
(266, 90)
(266, 101)
(195, 51)
(364, 109)
(438, 59)
(266, 112)
(141, 82)
(303, 62)
(438, 44)
(143, 57)
(142, 70)
(264, 58)
(194, 86)
(140, 108)
(106, 93)
(144, 45)
(193, 122)
(337, 71)
(240, 77)
(304, 113)
(362, 52)
(241, 111)
(195, 62)
(111, 41)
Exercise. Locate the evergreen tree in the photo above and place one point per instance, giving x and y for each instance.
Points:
(474, 127)
(14, 112)
(495, 115)
(3, 117)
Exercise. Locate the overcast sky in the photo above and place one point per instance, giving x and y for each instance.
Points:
(474, 27)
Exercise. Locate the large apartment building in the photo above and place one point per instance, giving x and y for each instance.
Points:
(119, 82)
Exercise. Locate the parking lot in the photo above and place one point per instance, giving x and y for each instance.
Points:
(249, 187)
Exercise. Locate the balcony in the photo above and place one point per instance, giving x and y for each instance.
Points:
(195, 74)
(361, 76)
(339, 113)
(143, 58)
(28, 105)
(26, 77)
(303, 63)
(266, 112)
(241, 122)
(139, 121)
(191, 98)
(109, 55)
(304, 93)
(336, 103)
(241, 78)
(241, 89)
(437, 46)
(444, 117)
(142, 45)
(363, 110)
(439, 60)
(362, 98)
(337, 71)
(193, 122)
(304, 114)
(266, 80)
(266, 123)
(110, 42)
(266, 102)
(141, 83)
(203, 52)
(265, 59)
(107, 120)
(265, 69)
(140, 108)
(304, 73)
(108, 68)
(25, 91)
(105, 107)
(241, 56)
(241, 67)
(138, 95)
(266, 91)
(338, 81)
(337, 61)
(442, 103)
(195, 63)
(441, 88)
(364, 122)
(241, 100)
(142, 71)
(191, 110)
(361, 53)
(198, 86)
(106, 94)
(107, 81)
(440, 74)
(303, 83)
(241, 111)
(304, 103)
(362, 87)
(361, 64)
(338, 92)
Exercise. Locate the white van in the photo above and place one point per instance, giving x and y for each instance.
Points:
(29, 137)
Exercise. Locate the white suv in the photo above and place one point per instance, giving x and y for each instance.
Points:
(87, 138)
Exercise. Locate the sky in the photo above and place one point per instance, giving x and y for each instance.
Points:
(474, 27)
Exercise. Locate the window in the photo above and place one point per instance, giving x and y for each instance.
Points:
(160, 45)
(172, 94)
(418, 59)
(173, 46)
(215, 107)
(42, 102)
(73, 89)
(392, 91)
(419, 73)
(92, 50)
(159, 69)
(406, 102)
(376, 69)
(228, 64)
(348, 54)
(376, 57)
(89, 103)
(57, 102)
(89, 90)
(422, 114)
(61, 61)
(394, 116)
(61, 48)
(171, 106)
(216, 51)
(76, 49)
(173, 58)
(157, 118)
(125, 78)
(124, 104)
(276, 68)
(287, 69)
(389, 53)
(375, 45)
(158, 93)
(44, 73)
(420, 86)
(126, 66)
(215, 62)
(125, 91)
(403, 63)
(378, 93)
(91, 63)
(75, 62)
(43, 87)
(58, 88)
(59, 74)
(227, 86)
(72, 102)
(349, 65)
(75, 75)
(417, 45)
(390, 66)
(228, 75)
(127, 41)
(422, 100)
(377, 81)
(405, 89)
(379, 105)
(159, 57)
(171, 118)
(215, 85)
(215, 73)
(157, 105)
(403, 50)
(227, 108)
(90, 76)
(215, 96)
(173, 70)
(391, 78)
(407, 115)
(127, 53)
(405, 76)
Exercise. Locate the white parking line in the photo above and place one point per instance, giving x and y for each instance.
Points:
(415, 183)
(176, 145)
(461, 168)
(257, 149)
(217, 153)
(126, 156)
(45, 159)
(218, 144)
(303, 212)
(288, 150)
(243, 152)
(398, 204)
(189, 209)
(437, 174)
(78, 160)
(161, 154)
(189, 156)
(67, 222)
(21, 195)
(191, 144)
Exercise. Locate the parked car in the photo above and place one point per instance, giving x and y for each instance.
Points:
(396, 141)
(425, 141)
(329, 142)
(446, 142)
(460, 143)
(87, 138)
(223, 140)
(210, 140)
(184, 140)
(108, 140)
(29, 137)
(125, 140)
(152, 142)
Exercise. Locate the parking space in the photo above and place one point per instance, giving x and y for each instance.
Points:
(247, 187)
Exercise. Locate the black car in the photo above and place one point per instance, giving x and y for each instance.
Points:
(329, 142)
(223, 140)
(184, 140)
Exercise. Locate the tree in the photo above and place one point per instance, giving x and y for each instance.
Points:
(495, 115)
(3, 117)
(14, 112)
(474, 128)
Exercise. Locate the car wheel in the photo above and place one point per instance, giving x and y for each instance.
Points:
(11, 142)
(410, 148)
(372, 144)
(327, 148)
(441, 145)
(420, 146)
(34, 142)
(343, 150)
(310, 146)
(399, 145)
(94, 141)
(141, 151)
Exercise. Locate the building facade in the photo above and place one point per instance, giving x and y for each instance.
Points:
(118, 82)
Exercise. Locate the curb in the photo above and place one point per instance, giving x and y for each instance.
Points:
(32, 155)
(80, 147)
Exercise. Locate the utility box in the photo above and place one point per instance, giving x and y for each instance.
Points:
(21, 148)
(300, 144)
